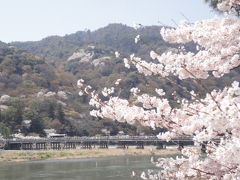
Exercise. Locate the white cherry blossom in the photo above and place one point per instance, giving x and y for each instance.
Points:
(117, 54)
(213, 121)
(137, 39)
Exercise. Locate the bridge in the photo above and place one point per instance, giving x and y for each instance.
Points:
(92, 142)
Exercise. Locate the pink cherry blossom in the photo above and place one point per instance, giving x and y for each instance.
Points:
(213, 120)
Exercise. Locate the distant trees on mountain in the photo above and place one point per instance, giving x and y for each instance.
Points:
(29, 68)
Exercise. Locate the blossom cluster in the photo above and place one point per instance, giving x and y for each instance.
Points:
(215, 117)
(213, 121)
(217, 39)
(228, 5)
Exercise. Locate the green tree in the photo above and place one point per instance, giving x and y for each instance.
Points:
(4, 130)
(37, 126)
(19, 115)
(60, 115)
(1, 115)
(9, 117)
(18, 105)
(51, 111)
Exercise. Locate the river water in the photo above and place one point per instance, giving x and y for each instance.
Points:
(110, 168)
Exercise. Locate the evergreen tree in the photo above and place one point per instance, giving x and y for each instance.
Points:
(37, 126)
(19, 115)
(51, 111)
(60, 114)
(4, 130)
(1, 115)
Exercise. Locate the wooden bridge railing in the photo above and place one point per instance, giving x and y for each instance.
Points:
(100, 138)
(87, 142)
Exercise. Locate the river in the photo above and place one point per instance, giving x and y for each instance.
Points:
(117, 168)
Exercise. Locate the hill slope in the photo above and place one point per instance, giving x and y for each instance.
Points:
(33, 90)
(114, 36)
(90, 55)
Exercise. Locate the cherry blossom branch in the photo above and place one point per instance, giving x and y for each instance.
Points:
(173, 82)
(203, 86)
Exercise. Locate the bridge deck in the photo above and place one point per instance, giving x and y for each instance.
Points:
(97, 139)
(89, 142)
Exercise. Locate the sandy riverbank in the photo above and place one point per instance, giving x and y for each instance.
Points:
(16, 156)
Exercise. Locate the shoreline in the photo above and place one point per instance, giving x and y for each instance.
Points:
(33, 155)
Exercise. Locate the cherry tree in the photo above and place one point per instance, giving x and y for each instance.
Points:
(213, 120)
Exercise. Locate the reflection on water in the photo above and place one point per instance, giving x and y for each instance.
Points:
(117, 168)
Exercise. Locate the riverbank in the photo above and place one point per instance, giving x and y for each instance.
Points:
(16, 156)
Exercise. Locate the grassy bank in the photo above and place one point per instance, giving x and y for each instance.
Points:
(81, 153)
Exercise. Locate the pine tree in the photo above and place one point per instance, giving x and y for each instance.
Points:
(37, 126)
(51, 111)
(60, 114)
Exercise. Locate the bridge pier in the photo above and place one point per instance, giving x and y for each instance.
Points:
(13, 146)
(204, 147)
(122, 145)
(140, 145)
(87, 145)
(70, 145)
(40, 146)
(103, 145)
(27, 146)
(160, 145)
(55, 145)
(78, 144)
(180, 145)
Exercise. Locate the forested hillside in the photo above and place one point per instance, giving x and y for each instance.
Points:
(114, 36)
(38, 79)
(33, 90)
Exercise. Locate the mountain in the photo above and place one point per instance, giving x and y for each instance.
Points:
(42, 75)
(35, 95)
(2, 44)
(117, 37)
(27, 82)
(26, 73)
(91, 55)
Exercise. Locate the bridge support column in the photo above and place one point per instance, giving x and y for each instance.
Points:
(55, 145)
(67, 145)
(203, 147)
(140, 145)
(78, 144)
(83, 145)
(27, 146)
(74, 145)
(44, 146)
(87, 145)
(122, 145)
(38, 146)
(161, 145)
(41, 146)
(70, 145)
(180, 145)
(15, 146)
(103, 145)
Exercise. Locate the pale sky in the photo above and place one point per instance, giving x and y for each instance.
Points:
(31, 20)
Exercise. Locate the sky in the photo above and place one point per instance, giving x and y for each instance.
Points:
(31, 20)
